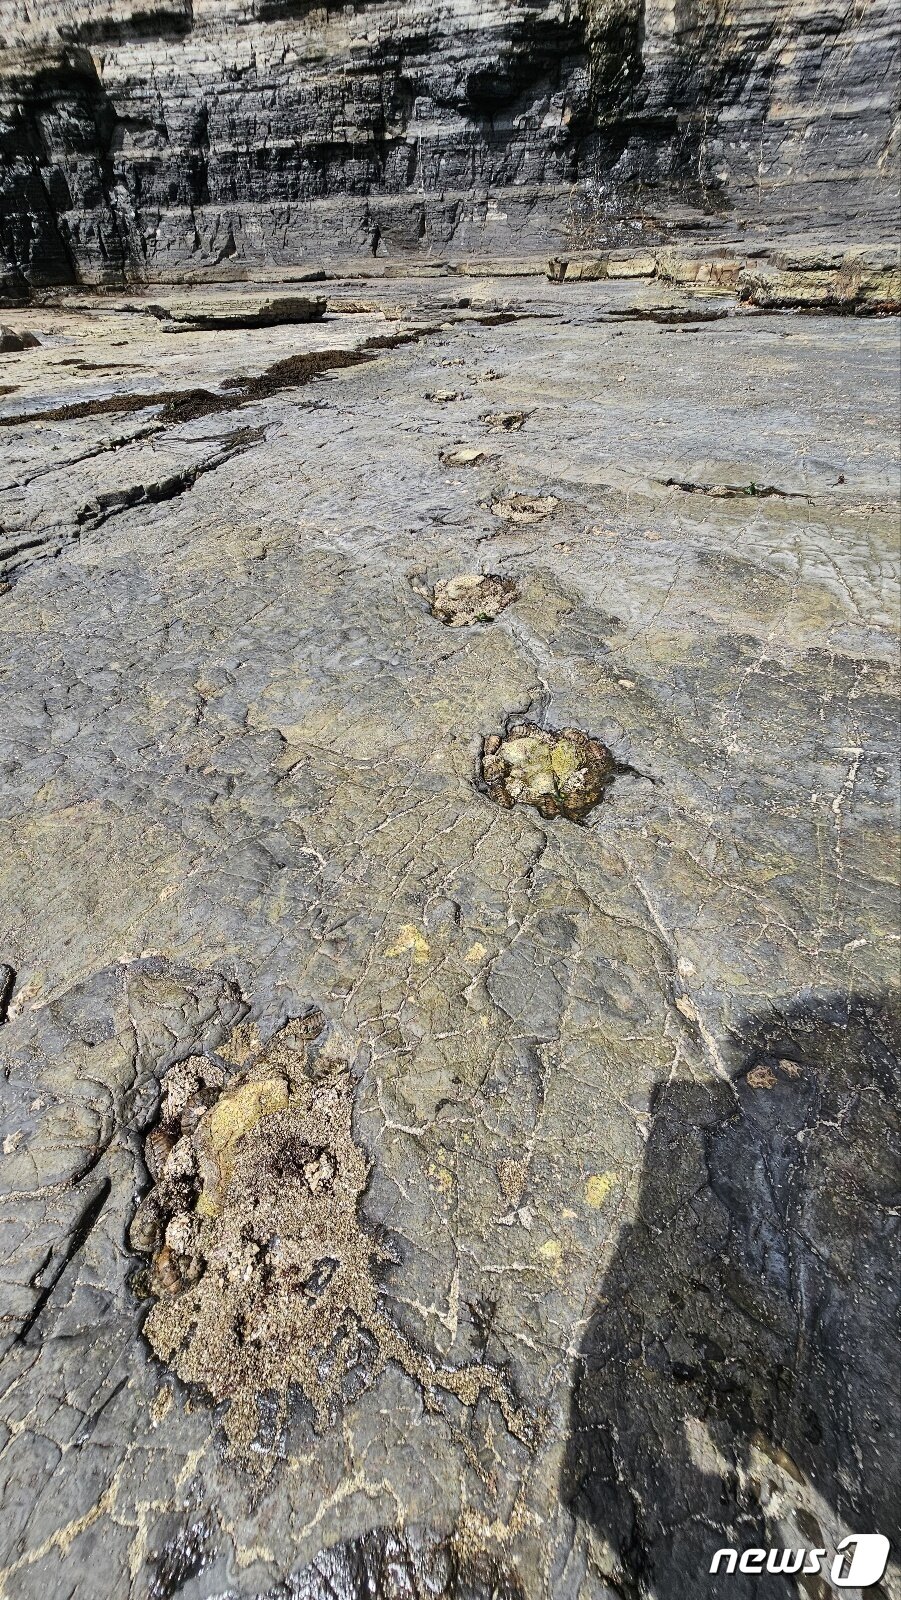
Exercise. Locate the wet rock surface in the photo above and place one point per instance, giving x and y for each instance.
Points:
(414, 1565)
(765, 1225)
(611, 1104)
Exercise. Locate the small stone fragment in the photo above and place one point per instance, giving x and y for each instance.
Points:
(463, 456)
(471, 597)
(561, 774)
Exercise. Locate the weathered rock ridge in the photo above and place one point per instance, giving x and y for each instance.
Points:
(154, 138)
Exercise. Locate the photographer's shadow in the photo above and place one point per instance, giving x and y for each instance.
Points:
(739, 1376)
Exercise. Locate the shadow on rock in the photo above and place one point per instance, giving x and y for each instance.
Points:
(738, 1384)
(394, 1564)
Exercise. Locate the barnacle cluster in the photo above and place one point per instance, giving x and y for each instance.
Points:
(471, 597)
(524, 507)
(263, 1276)
(560, 773)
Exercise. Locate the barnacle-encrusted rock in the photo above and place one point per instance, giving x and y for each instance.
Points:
(263, 1274)
(561, 774)
(524, 507)
(505, 421)
(472, 597)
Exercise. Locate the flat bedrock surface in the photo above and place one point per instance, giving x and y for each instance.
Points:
(625, 1087)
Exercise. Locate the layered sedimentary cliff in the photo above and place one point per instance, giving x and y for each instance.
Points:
(147, 138)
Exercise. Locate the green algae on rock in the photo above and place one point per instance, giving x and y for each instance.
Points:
(563, 773)
(263, 1274)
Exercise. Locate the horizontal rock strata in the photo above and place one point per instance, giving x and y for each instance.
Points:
(158, 139)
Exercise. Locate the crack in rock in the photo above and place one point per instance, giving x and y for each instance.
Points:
(116, 501)
(184, 405)
(734, 491)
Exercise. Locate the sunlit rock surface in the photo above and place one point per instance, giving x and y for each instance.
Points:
(616, 1097)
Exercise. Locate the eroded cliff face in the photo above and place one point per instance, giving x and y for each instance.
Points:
(145, 138)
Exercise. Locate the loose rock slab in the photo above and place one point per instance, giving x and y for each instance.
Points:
(242, 312)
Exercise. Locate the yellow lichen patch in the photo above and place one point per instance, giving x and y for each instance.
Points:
(237, 1110)
(410, 939)
(551, 1250)
(441, 1177)
(476, 952)
(565, 758)
(598, 1187)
